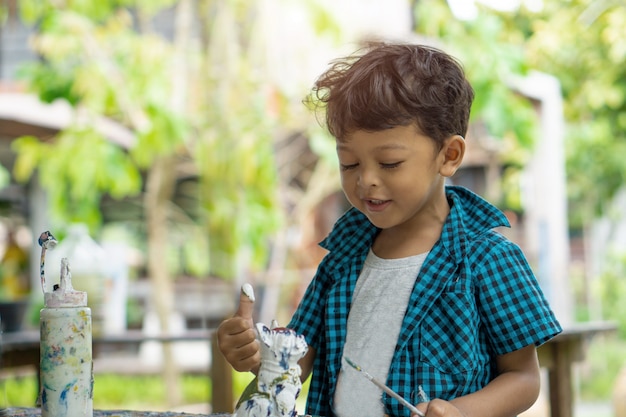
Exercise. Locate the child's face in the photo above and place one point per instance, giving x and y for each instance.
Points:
(392, 176)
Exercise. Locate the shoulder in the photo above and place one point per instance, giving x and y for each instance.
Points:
(469, 231)
(493, 250)
(476, 213)
(472, 228)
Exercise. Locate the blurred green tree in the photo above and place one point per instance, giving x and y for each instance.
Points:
(582, 43)
(197, 107)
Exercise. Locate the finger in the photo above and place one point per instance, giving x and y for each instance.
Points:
(244, 357)
(246, 302)
(422, 407)
(235, 332)
(247, 363)
(246, 351)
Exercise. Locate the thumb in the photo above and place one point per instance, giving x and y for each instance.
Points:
(246, 302)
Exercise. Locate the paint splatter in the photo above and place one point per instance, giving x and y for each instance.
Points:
(278, 382)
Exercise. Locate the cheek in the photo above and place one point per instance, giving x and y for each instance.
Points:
(346, 180)
(348, 185)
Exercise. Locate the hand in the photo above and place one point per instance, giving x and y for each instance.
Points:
(236, 337)
(439, 408)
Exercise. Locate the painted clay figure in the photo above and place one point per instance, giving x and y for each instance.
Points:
(275, 390)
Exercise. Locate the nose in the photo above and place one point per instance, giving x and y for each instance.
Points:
(367, 178)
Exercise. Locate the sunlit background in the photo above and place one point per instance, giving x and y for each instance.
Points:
(166, 145)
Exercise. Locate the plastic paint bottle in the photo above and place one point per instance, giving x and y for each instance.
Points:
(66, 361)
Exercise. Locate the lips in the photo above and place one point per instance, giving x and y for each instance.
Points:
(375, 205)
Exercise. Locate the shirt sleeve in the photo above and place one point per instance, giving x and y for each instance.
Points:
(511, 303)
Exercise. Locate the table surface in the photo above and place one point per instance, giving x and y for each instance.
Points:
(586, 329)
(36, 412)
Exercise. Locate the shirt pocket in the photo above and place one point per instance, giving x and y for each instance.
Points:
(449, 335)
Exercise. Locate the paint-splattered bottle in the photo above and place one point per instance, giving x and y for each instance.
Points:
(66, 350)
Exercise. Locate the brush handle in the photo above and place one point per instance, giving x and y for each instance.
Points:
(396, 396)
(386, 389)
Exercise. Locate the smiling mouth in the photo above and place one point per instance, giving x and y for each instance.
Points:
(376, 202)
(374, 205)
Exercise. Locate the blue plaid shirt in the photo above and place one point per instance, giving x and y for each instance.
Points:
(475, 297)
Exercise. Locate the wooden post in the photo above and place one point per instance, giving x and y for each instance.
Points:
(561, 397)
(619, 394)
(222, 400)
(559, 354)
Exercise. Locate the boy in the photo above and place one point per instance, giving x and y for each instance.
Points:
(416, 287)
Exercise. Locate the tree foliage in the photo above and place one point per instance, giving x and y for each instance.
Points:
(106, 59)
(582, 43)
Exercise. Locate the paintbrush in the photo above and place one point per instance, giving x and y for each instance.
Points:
(386, 388)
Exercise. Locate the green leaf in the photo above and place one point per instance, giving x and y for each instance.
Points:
(5, 177)
(28, 151)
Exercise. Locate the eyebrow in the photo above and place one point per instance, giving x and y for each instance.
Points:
(391, 146)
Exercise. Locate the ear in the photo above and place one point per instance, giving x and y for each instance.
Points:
(452, 153)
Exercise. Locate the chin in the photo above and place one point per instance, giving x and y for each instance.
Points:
(377, 221)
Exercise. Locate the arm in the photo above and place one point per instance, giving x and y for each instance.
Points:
(514, 390)
(306, 364)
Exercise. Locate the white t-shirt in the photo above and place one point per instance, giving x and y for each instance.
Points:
(378, 306)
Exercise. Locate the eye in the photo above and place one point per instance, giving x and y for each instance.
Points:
(346, 167)
(391, 165)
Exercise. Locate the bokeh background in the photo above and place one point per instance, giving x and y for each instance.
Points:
(167, 146)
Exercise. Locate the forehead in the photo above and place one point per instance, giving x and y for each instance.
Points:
(394, 139)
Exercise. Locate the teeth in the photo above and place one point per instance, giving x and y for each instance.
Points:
(377, 201)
